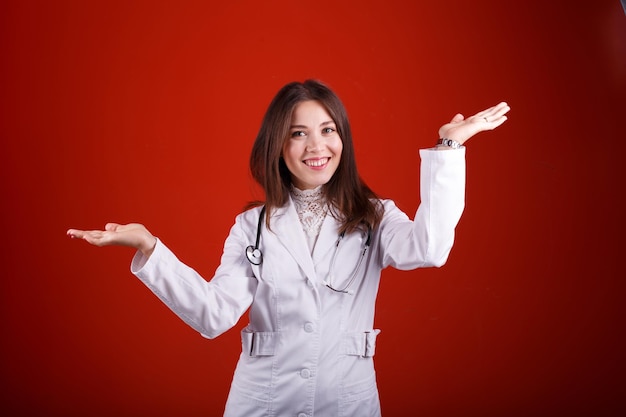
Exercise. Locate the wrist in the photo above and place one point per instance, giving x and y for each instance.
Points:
(147, 247)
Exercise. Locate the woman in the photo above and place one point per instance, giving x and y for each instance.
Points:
(307, 262)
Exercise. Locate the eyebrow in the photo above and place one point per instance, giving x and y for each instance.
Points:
(329, 122)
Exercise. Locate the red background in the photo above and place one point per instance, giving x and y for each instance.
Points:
(146, 111)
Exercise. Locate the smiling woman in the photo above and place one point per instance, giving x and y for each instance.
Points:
(309, 347)
(313, 151)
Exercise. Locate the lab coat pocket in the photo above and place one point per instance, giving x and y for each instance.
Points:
(252, 384)
(360, 398)
(245, 393)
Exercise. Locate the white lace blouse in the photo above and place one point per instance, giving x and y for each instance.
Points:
(312, 209)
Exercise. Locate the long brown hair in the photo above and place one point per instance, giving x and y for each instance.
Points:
(352, 202)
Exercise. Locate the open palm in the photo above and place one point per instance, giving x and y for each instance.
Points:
(461, 129)
(134, 235)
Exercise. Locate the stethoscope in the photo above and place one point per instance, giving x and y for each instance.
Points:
(255, 256)
(253, 253)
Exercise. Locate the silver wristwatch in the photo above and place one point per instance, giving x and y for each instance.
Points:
(449, 142)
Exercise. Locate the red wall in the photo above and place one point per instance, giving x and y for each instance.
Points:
(146, 111)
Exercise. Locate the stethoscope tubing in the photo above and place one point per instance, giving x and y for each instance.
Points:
(255, 255)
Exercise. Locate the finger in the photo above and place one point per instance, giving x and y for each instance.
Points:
(493, 123)
(97, 237)
(81, 234)
(75, 234)
(493, 109)
(492, 114)
(501, 110)
(497, 122)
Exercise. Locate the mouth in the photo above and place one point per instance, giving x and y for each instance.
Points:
(316, 163)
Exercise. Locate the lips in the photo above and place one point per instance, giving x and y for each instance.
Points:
(316, 162)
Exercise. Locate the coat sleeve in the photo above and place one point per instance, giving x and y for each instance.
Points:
(428, 239)
(212, 307)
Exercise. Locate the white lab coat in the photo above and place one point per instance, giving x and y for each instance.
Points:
(308, 350)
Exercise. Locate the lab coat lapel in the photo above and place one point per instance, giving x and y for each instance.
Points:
(288, 229)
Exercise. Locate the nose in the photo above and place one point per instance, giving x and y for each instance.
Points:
(315, 142)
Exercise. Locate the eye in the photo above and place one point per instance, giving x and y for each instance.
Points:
(328, 130)
(297, 133)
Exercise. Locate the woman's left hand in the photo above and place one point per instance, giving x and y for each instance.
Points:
(461, 129)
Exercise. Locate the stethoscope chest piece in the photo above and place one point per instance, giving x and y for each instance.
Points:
(254, 255)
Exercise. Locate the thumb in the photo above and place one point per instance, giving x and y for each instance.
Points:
(457, 118)
(111, 227)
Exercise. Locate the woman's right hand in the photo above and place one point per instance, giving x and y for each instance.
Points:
(133, 235)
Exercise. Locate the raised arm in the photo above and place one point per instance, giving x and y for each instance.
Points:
(428, 239)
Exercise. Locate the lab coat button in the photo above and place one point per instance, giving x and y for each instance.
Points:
(309, 327)
(309, 282)
(302, 415)
(305, 373)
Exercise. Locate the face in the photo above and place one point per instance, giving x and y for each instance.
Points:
(313, 149)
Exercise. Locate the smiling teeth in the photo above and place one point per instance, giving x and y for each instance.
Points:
(316, 162)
